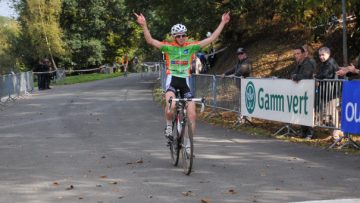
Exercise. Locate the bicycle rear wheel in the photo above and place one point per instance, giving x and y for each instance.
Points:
(175, 143)
(187, 148)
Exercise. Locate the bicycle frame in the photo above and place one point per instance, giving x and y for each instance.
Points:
(183, 140)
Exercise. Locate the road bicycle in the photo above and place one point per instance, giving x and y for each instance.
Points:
(182, 144)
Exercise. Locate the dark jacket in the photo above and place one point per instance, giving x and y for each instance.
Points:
(354, 76)
(303, 70)
(327, 69)
(242, 68)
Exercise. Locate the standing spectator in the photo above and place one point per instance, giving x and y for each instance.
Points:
(47, 75)
(196, 65)
(327, 70)
(303, 70)
(328, 65)
(135, 62)
(125, 63)
(243, 67)
(309, 54)
(352, 71)
(40, 76)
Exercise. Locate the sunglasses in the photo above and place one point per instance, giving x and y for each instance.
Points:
(180, 36)
(241, 53)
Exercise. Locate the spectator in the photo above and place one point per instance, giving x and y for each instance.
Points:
(135, 63)
(47, 75)
(125, 63)
(352, 71)
(304, 69)
(328, 65)
(309, 54)
(40, 76)
(243, 67)
(328, 69)
(196, 65)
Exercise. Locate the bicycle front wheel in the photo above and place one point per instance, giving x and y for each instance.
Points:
(187, 148)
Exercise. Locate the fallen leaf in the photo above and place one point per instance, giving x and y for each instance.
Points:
(188, 193)
(140, 161)
(231, 191)
(103, 177)
(71, 187)
(114, 183)
(56, 183)
(81, 198)
(205, 200)
(103, 157)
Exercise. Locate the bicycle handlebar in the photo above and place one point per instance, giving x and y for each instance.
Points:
(202, 100)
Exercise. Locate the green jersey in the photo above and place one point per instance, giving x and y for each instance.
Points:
(179, 58)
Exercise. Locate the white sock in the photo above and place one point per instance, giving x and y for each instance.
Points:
(168, 122)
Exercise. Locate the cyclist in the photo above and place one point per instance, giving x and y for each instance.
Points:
(178, 62)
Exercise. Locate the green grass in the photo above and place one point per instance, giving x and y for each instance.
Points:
(85, 78)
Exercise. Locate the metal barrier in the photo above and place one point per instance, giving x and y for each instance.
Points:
(13, 86)
(328, 103)
(224, 93)
(148, 69)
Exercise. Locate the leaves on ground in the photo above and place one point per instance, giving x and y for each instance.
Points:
(205, 200)
(140, 161)
(187, 193)
(231, 191)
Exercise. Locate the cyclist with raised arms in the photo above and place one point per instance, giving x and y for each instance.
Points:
(178, 62)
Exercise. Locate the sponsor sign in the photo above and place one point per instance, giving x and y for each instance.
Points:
(279, 100)
(350, 107)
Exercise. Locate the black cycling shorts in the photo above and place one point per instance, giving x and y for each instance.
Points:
(176, 83)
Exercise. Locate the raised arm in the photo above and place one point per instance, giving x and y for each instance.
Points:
(224, 20)
(142, 22)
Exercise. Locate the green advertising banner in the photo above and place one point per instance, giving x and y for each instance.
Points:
(279, 100)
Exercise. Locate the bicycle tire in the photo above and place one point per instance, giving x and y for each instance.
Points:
(187, 158)
(175, 144)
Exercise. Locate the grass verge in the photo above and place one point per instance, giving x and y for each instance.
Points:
(86, 78)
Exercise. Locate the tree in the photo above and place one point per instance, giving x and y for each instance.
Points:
(40, 30)
(9, 32)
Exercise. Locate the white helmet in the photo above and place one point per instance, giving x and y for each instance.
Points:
(178, 28)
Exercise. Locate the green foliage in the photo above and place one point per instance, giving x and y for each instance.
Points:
(84, 33)
(9, 31)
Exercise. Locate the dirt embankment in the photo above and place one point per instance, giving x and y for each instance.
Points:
(271, 50)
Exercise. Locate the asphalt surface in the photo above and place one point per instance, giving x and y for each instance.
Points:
(103, 142)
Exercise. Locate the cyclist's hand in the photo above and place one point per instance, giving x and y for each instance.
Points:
(140, 19)
(225, 17)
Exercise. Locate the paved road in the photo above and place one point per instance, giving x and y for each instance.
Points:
(103, 142)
